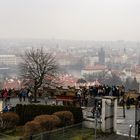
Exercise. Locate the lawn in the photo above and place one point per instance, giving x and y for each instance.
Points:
(69, 134)
(72, 133)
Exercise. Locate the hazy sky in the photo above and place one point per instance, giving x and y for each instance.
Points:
(70, 19)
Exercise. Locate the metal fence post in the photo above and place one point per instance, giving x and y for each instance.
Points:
(41, 136)
(31, 137)
(63, 133)
(130, 129)
(96, 121)
(123, 107)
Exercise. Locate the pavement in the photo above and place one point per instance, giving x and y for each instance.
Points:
(122, 123)
(115, 137)
(15, 101)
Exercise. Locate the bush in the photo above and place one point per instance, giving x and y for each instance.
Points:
(32, 128)
(48, 122)
(29, 112)
(8, 120)
(66, 117)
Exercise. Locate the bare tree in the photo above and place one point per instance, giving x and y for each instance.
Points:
(36, 67)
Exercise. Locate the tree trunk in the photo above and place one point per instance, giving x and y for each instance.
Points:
(35, 95)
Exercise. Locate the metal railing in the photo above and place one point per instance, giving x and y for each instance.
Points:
(73, 132)
(7, 137)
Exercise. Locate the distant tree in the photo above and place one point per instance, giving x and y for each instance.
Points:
(36, 67)
(81, 80)
(128, 84)
(89, 77)
(134, 84)
(113, 80)
(131, 84)
(116, 80)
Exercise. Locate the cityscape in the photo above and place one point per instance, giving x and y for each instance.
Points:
(70, 70)
(79, 59)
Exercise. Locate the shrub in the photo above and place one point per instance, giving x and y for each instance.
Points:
(48, 122)
(29, 112)
(8, 120)
(66, 117)
(32, 128)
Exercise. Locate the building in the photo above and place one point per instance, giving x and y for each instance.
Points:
(12, 84)
(96, 70)
(139, 59)
(8, 60)
(91, 60)
(101, 56)
(136, 72)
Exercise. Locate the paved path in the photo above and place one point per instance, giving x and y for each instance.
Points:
(122, 123)
(15, 101)
(115, 137)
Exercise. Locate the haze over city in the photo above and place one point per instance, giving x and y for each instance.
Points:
(69, 69)
(98, 20)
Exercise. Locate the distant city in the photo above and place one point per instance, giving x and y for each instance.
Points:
(81, 59)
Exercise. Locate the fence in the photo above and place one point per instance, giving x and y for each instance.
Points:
(74, 132)
(7, 137)
(137, 120)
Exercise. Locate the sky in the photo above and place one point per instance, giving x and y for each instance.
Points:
(98, 20)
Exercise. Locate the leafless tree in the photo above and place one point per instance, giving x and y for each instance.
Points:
(38, 68)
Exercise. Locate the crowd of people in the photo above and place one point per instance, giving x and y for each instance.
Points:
(82, 95)
(5, 95)
(98, 91)
(22, 94)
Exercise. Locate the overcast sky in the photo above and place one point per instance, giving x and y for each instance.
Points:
(71, 19)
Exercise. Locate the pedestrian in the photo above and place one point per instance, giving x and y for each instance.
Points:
(5, 109)
(128, 102)
(24, 94)
(5, 95)
(20, 95)
(30, 96)
(45, 97)
(79, 93)
(93, 111)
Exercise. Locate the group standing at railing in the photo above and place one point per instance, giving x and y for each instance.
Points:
(85, 93)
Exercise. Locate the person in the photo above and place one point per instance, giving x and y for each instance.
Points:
(24, 94)
(128, 102)
(20, 95)
(5, 95)
(46, 98)
(93, 111)
(30, 96)
(9, 107)
(79, 93)
(5, 109)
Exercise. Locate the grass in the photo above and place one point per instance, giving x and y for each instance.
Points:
(7, 137)
(12, 134)
(74, 133)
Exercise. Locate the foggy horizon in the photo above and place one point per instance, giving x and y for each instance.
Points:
(80, 20)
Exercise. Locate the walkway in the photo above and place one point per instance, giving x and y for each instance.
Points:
(115, 137)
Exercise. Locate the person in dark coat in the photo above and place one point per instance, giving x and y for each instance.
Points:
(128, 102)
